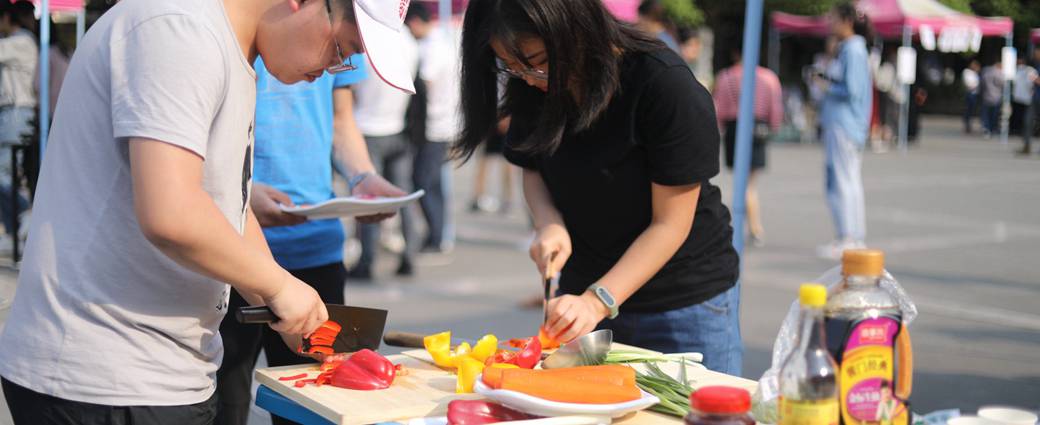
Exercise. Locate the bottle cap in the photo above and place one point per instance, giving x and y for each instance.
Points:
(865, 262)
(812, 295)
(721, 400)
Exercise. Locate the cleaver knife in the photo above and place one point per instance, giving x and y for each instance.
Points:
(361, 327)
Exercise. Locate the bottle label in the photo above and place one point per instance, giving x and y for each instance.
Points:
(809, 412)
(867, 372)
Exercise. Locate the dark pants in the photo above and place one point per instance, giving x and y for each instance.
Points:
(971, 101)
(392, 156)
(991, 118)
(1029, 126)
(1017, 120)
(429, 161)
(6, 209)
(242, 344)
(32, 408)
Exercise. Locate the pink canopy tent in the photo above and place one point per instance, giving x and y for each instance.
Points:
(62, 5)
(891, 17)
(625, 10)
(902, 20)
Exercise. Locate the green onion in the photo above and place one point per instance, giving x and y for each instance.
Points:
(673, 393)
(639, 356)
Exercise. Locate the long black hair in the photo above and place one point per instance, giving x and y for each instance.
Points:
(583, 43)
(860, 22)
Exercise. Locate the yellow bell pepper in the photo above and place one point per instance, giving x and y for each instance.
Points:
(485, 348)
(460, 353)
(439, 347)
(469, 369)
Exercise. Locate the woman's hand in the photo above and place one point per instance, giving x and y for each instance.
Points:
(571, 316)
(550, 249)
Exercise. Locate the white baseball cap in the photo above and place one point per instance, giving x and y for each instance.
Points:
(381, 25)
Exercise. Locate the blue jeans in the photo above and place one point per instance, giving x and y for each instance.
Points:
(14, 123)
(427, 175)
(844, 183)
(393, 157)
(971, 101)
(991, 117)
(711, 328)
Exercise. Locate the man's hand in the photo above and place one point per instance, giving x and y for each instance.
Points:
(376, 186)
(265, 202)
(298, 306)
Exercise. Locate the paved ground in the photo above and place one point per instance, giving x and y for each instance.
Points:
(958, 217)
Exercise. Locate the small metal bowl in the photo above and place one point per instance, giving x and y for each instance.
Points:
(588, 350)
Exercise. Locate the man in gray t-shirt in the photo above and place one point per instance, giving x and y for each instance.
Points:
(992, 86)
(142, 217)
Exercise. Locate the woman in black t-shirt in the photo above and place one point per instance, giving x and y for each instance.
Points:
(618, 142)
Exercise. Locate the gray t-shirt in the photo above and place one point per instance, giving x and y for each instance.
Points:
(101, 315)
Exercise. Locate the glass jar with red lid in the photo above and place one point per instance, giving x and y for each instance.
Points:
(719, 405)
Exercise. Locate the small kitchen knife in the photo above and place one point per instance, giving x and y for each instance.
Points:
(361, 327)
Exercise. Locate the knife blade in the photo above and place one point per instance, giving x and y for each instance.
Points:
(361, 327)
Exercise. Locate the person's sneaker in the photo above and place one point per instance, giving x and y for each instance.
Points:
(23, 225)
(405, 269)
(432, 255)
(486, 204)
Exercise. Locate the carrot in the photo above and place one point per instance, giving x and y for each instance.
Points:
(492, 377)
(551, 386)
(605, 375)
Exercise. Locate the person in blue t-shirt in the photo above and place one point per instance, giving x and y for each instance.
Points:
(302, 131)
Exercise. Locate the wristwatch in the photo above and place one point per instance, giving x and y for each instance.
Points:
(606, 298)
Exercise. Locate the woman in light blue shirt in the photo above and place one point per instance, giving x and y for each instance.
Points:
(845, 121)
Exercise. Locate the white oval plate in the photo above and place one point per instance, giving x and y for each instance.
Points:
(541, 407)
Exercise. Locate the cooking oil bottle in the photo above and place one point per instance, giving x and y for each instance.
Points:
(808, 380)
(867, 339)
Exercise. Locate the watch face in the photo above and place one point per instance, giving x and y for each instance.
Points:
(605, 296)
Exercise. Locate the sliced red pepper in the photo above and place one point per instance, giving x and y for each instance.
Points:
(303, 382)
(530, 354)
(293, 377)
(320, 349)
(365, 370)
(479, 412)
(331, 327)
(502, 356)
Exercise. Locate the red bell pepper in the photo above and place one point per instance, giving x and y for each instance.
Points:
(478, 412)
(530, 354)
(365, 370)
(322, 339)
(528, 357)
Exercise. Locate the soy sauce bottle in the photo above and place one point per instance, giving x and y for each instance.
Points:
(866, 337)
(808, 377)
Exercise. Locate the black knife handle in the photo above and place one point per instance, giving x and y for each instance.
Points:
(259, 314)
(403, 339)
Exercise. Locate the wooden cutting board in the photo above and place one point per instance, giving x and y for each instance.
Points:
(701, 377)
(427, 390)
(424, 392)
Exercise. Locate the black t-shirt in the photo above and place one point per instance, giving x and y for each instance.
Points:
(660, 127)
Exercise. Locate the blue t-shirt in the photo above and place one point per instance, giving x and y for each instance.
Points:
(294, 155)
